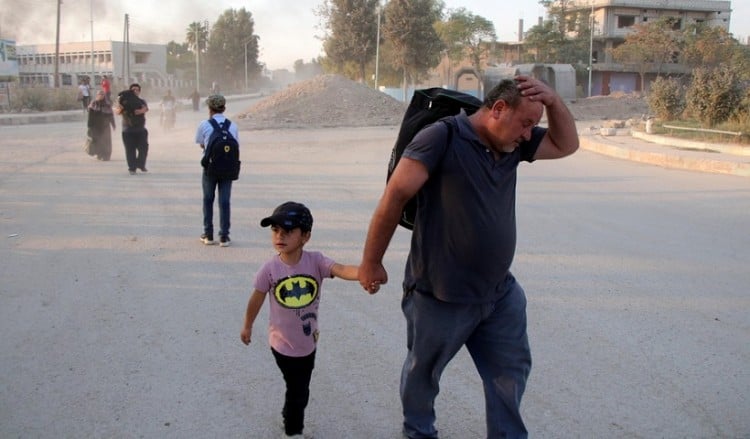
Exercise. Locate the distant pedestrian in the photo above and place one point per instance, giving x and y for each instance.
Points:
(168, 113)
(101, 122)
(84, 94)
(134, 134)
(196, 98)
(292, 279)
(107, 88)
(211, 182)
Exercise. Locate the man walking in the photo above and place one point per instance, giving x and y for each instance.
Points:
(458, 288)
(214, 147)
(134, 134)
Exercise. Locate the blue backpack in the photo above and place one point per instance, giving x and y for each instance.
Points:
(222, 157)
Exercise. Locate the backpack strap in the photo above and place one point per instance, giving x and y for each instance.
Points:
(217, 126)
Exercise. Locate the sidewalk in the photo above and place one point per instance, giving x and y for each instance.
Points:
(666, 152)
(637, 147)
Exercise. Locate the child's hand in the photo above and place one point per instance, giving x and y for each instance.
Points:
(245, 335)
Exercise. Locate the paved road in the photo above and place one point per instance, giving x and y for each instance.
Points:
(118, 323)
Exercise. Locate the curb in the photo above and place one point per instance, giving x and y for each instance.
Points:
(691, 144)
(37, 118)
(651, 155)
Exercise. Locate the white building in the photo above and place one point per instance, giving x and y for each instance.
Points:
(123, 62)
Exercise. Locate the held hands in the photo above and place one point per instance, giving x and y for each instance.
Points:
(371, 276)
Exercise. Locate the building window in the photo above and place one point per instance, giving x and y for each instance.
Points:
(624, 21)
(141, 57)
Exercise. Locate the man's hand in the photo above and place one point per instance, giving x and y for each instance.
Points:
(371, 276)
(537, 90)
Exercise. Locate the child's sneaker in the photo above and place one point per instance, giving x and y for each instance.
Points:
(207, 239)
(224, 241)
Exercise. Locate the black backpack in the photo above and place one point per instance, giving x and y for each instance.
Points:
(129, 101)
(222, 157)
(427, 106)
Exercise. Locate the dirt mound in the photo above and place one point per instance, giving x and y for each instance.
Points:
(618, 106)
(335, 101)
(324, 101)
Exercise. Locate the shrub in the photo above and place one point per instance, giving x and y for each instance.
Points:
(666, 98)
(43, 99)
(714, 95)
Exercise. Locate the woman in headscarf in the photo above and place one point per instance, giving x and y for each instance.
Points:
(101, 123)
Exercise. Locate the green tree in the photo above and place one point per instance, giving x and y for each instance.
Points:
(231, 35)
(409, 28)
(351, 37)
(565, 36)
(712, 46)
(466, 35)
(196, 36)
(179, 57)
(546, 41)
(559, 14)
(650, 46)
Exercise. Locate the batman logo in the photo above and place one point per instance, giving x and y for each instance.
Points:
(226, 149)
(296, 291)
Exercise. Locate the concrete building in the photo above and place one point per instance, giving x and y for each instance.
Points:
(123, 62)
(615, 19)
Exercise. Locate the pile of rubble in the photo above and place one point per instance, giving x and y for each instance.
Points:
(323, 102)
(617, 106)
(334, 101)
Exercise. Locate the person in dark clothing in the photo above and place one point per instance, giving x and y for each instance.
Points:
(458, 289)
(134, 133)
(101, 122)
(196, 98)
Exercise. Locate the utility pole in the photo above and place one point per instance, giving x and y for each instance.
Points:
(57, 47)
(377, 48)
(91, 13)
(126, 51)
(591, 45)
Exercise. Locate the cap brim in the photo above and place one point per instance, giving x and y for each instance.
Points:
(265, 222)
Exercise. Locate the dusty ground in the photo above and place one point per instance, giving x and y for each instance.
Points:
(334, 101)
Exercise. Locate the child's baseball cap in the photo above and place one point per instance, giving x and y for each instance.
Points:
(288, 216)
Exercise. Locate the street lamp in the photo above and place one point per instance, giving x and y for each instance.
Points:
(91, 13)
(591, 44)
(198, 30)
(249, 40)
(377, 48)
(197, 52)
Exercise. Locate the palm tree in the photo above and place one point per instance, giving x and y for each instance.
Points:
(197, 36)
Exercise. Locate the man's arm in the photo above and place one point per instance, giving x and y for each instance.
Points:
(406, 180)
(562, 136)
(143, 109)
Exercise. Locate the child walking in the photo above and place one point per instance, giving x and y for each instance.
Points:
(292, 279)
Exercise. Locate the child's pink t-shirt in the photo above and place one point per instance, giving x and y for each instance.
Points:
(294, 296)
